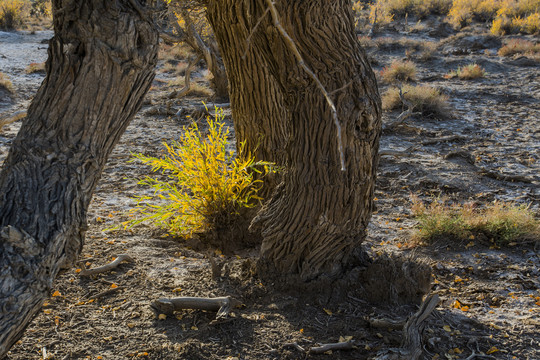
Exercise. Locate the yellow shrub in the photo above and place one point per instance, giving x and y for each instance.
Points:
(207, 185)
(388, 9)
(5, 83)
(11, 13)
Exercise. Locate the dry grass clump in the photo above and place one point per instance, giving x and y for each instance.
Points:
(386, 10)
(520, 46)
(467, 72)
(399, 71)
(499, 223)
(507, 16)
(6, 84)
(12, 13)
(34, 68)
(425, 99)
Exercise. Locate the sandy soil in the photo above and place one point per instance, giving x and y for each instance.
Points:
(487, 149)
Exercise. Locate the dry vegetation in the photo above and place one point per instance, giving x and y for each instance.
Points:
(6, 84)
(498, 224)
(467, 72)
(399, 71)
(425, 99)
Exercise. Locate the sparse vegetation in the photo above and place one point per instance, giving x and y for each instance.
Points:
(499, 223)
(387, 10)
(35, 68)
(468, 72)
(207, 184)
(520, 46)
(399, 71)
(5, 83)
(11, 14)
(425, 99)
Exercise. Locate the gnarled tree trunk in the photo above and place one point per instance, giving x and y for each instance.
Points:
(315, 223)
(260, 119)
(101, 64)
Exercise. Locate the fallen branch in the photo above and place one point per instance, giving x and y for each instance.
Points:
(444, 139)
(187, 76)
(112, 265)
(345, 345)
(222, 305)
(105, 293)
(505, 177)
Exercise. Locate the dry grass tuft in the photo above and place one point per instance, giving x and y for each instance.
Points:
(499, 223)
(425, 99)
(467, 72)
(6, 84)
(34, 68)
(520, 46)
(399, 71)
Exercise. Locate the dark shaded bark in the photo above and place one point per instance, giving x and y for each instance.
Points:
(315, 222)
(260, 119)
(101, 64)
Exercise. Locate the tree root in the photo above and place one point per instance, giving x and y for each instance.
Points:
(412, 333)
(112, 265)
(222, 305)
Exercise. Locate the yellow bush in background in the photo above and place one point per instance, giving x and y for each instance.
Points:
(11, 13)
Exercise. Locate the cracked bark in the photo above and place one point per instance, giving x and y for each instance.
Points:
(101, 64)
(315, 222)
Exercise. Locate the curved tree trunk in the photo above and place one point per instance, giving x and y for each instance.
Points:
(101, 64)
(260, 119)
(315, 223)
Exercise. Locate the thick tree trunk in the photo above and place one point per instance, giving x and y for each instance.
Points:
(315, 223)
(260, 119)
(101, 64)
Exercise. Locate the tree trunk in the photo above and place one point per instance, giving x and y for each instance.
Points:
(260, 119)
(315, 222)
(101, 64)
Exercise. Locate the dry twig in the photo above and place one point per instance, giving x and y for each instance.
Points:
(112, 265)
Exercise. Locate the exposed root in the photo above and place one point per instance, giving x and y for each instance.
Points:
(112, 265)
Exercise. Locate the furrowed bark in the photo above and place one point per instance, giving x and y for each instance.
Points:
(315, 223)
(260, 119)
(101, 64)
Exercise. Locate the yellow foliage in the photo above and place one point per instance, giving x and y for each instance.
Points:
(207, 184)
(507, 16)
(11, 13)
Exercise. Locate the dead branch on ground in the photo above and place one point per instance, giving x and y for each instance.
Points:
(112, 265)
(222, 305)
(345, 345)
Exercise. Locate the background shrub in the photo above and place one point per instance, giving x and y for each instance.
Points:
(425, 99)
(11, 14)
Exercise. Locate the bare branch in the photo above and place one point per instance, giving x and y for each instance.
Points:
(112, 265)
(345, 345)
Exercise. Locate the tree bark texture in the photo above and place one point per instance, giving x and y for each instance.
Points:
(315, 222)
(101, 64)
(260, 119)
